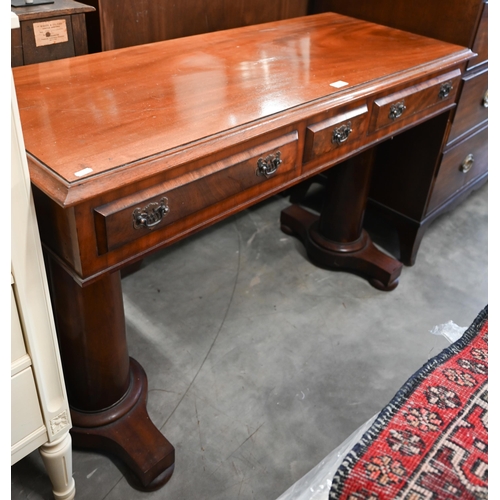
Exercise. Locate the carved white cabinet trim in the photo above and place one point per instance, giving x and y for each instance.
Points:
(40, 416)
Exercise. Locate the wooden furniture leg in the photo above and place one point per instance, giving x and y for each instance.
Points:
(57, 459)
(335, 239)
(107, 390)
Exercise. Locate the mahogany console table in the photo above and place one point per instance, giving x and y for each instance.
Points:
(133, 149)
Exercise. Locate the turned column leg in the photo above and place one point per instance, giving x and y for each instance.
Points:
(57, 459)
(107, 390)
(336, 239)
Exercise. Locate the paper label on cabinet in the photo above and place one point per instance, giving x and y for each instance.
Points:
(50, 32)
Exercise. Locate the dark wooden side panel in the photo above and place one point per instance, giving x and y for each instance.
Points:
(55, 222)
(446, 20)
(79, 34)
(122, 23)
(16, 47)
(405, 167)
(480, 46)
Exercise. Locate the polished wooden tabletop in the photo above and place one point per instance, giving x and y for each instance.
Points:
(88, 115)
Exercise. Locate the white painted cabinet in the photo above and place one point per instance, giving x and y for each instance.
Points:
(40, 416)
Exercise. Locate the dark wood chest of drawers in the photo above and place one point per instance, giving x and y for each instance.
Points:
(411, 191)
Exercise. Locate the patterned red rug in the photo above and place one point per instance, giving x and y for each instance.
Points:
(431, 441)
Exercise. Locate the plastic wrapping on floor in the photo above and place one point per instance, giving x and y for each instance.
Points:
(450, 331)
(315, 485)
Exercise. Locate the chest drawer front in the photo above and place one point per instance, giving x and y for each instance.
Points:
(396, 107)
(460, 165)
(127, 219)
(472, 108)
(334, 134)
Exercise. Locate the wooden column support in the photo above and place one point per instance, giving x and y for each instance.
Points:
(107, 390)
(335, 239)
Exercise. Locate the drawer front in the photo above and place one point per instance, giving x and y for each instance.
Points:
(334, 134)
(17, 346)
(460, 165)
(25, 409)
(480, 46)
(396, 107)
(127, 219)
(472, 108)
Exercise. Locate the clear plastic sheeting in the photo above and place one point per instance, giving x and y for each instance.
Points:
(450, 331)
(315, 485)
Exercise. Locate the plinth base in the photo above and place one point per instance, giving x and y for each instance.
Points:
(126, 431)
(360, 256)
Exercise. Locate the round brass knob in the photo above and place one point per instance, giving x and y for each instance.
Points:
(485, 99)
(467, 163)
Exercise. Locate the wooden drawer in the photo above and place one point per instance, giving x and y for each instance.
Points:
(397, 107)
(134, 216)
(460, 165)
(472, 108)
(332, 135)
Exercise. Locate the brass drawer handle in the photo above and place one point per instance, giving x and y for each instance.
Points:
(151, 215)
(485, 99)
(341, 134)
(467, 163)
(397, 110)
(445, 90)
(269, 165)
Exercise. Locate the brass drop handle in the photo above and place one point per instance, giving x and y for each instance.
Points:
(467, 163)
(151, 215)
(445, 90)
(341, 134)
(269, 165)
(397, 110)
(485, 99)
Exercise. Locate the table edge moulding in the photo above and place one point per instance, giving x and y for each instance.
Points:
(131, 150)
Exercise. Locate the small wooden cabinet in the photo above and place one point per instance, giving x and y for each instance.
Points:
(49, 31)
(40, 416)
(412, 190)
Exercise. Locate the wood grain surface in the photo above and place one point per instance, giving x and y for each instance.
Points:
(106, 110)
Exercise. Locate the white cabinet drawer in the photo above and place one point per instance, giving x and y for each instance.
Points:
(25, 408)
(18, 348)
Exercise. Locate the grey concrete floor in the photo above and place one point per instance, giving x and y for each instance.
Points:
(260, 363)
